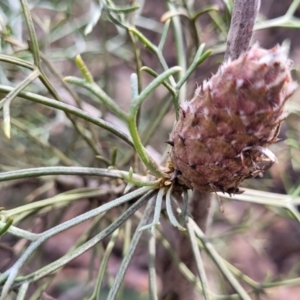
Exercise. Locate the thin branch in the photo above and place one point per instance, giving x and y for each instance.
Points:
(241, 27)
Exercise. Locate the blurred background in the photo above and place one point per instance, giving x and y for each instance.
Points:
(263, 242)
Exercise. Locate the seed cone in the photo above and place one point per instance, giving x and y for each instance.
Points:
(221, 136)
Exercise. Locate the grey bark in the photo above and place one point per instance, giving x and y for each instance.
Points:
(241, 27)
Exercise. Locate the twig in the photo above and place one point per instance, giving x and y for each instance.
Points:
(241, 27)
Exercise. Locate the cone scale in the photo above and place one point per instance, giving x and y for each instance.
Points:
(222, 134)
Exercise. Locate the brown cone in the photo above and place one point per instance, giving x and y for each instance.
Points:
(221, 136)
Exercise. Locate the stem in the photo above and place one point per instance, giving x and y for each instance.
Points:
(132, 122)
(170, 213)
(198, 59)
(5, 103)
(180, 50)
(22, 291)
(70, 109)
(45, 171)
(58, 200)
(290, 12)
(157, 211)
(199, 262)
(166, 84)
(91, 141)
(146, 92)
(219, 262)
(34, 46)
(154, 49)
(241, 27)
(16, 61)
(127, 258)
(151, 266)
(104, 261)
(92, 242)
